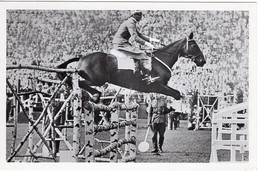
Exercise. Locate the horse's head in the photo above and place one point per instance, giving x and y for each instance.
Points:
(192, 51)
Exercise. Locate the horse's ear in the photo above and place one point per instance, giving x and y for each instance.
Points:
(191, 35)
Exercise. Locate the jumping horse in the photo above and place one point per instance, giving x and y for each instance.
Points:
(99, 68)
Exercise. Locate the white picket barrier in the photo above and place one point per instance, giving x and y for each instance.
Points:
(230, 132)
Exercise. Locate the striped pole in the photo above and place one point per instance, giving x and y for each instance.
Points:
(127, 133)
(114, 136)
(89, 132)
(77, 110)
(133, 132)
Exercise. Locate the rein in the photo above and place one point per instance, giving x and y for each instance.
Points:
(192, 57)
(163, 51)
(164, 64)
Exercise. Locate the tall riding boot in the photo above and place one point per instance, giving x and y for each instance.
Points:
(147, 69)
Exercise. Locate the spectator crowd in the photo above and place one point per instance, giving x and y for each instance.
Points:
(49, 37)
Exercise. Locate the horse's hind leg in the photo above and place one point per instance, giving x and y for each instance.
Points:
(85, 85)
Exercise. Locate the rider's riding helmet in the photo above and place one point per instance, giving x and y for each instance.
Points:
(136, 12)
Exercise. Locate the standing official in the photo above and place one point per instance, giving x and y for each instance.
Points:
(173, 118)
(158, 122)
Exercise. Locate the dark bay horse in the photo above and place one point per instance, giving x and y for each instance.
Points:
(99, 68)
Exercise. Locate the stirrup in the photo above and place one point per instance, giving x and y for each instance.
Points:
(150, 79)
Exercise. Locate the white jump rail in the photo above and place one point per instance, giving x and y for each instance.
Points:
(227, 135)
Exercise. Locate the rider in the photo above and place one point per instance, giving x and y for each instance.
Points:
(121, 42)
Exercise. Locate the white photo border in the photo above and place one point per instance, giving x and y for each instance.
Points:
(128, 5)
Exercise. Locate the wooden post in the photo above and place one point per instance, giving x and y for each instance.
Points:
(133, 133)
(15, 108)
(30, 145)
(89, 132)
(65, 130)
(127, 133)
(197, 113)
(242, 148)
(77, 108)
(233, 138)
(53, 133)
(213, 156)
(30, 138)
(114, 135)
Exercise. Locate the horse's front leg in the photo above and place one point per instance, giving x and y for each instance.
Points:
(166, 90)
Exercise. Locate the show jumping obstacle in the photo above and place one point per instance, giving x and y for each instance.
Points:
(87, 108)
(230, 132)
(207, 106)
(115, 142)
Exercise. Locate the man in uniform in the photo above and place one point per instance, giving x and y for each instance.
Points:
(127, 31)
(158, 122)
(173, 118)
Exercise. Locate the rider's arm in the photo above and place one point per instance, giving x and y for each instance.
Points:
(146, 38)
(131, 26)
(143, 37)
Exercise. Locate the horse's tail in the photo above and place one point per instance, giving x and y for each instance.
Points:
(64, 65)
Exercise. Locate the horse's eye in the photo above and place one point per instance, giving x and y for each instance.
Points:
(193, 45)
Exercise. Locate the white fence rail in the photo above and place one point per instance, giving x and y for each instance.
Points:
(230, 132)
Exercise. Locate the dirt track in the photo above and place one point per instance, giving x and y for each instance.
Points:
(180, 145)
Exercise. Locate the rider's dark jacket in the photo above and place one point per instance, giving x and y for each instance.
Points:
(126, 30)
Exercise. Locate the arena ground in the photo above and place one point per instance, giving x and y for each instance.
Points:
(181, 145)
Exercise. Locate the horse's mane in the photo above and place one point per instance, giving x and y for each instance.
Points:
(169, 45)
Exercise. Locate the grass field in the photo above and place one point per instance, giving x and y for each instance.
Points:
(180, 146)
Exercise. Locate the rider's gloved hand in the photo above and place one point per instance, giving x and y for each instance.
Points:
(154, 40)
(149, 45)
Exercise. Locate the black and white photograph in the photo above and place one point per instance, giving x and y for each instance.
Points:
(129, 82)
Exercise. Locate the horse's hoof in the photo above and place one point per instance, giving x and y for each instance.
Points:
(178, 96)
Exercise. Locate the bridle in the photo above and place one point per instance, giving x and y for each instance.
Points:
(188, 56)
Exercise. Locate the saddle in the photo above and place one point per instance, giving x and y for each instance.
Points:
(132, 62)
(125, 61)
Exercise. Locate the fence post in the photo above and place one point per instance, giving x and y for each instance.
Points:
(127, 132)
(89, 132)
(133, 133)
(214, 136)
(114, 134)
(233, 138)
(30, 138)
(77, 108)
(52, 132)
(15, 109)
